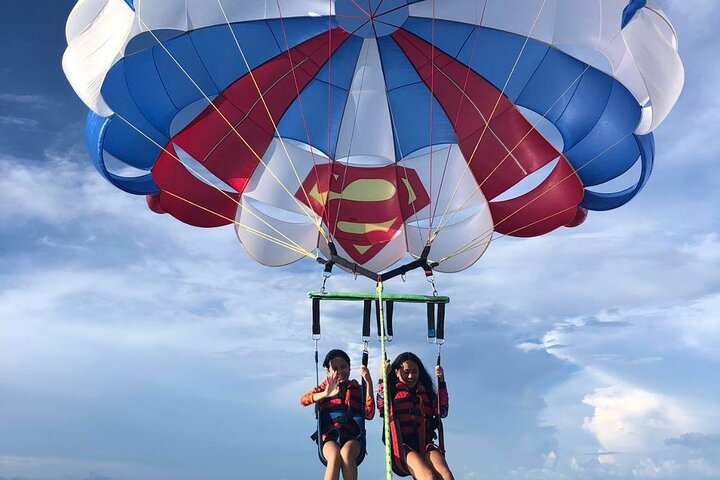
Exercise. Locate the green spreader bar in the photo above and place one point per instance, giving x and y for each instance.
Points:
(395, 297)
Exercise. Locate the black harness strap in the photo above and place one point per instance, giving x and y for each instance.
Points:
(440, 333)
(316, 318)
(356, 269)
(367, 306)
(421, 262)
(389, 319)
(430, 321)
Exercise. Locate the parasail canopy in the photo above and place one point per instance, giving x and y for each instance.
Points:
(377, 126)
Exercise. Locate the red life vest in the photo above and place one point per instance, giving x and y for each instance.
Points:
(412, 413)
(344, 412)
(413, 410)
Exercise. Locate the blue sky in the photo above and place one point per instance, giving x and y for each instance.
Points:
(134, 347)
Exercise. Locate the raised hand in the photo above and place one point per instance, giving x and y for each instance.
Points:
(333, 386)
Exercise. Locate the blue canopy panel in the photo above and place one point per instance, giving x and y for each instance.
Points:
(608, 201)
(595, 114)
(630, 10)
(121, 138)
(491, 53)
(148, 88)
(411, 105)
(96, 130)
(318, 110)
(290, 32)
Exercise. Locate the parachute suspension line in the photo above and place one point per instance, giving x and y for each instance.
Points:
(475, 242)
(329, 86)
(517, 144)
(290, 244)
(325, 235)
(248, 229)
(446, 221)
(316, 222)
(533, 127)
(432, 102)
(232, 127)
(396, 137)
(297, 85)
(457, 118)
(480, 239)
(395, 133)
(570, 175)
(492, 113)
(383, 360)
(352, 137)
(302, 110)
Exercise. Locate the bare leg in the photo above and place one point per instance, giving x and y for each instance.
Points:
(348, 459)
(437, 460)
(419, 467)
(331, 452)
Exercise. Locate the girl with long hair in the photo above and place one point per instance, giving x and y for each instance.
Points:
(415, 408)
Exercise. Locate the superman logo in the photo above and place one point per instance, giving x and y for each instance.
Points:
(363, 208)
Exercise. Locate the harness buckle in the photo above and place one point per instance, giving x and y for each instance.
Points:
(326, 275)
(431, 279)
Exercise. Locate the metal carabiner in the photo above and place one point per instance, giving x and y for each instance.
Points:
(326, 275)
(431, 279)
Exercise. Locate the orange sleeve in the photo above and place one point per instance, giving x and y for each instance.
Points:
(307, 399)
(369, 407)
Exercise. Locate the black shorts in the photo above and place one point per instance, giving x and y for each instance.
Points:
(412, 443)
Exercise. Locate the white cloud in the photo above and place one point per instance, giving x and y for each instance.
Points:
(56, 191)
(704, 468)
(648, 468)
(644, 376)
(705, 248)
(530, 346)
(698, 326)
(73, 315)
(632, 420)
(550, 460)
(29, 100)
(22, 122)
